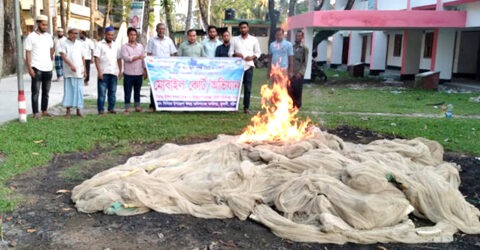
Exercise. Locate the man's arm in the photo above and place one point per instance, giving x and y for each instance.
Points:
(119, 62)
(303, 68)
(28, 59)
(67, 61)
(99, 71)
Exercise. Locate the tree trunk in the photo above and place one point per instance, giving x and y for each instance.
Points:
(2, 17)
(203, 13)
(167, 6)
(69, 14)
(62, 14)
(273, 20)
(349, 4)
(146, 14)
(320, 5)
(324, 34)
(9, 47)
(107, 13)
(46, 11)
(92, 18)
(291, 7)
(188, 23)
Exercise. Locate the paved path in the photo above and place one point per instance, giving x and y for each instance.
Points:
(9, 95)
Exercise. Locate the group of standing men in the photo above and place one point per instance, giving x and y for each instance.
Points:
(72, 60)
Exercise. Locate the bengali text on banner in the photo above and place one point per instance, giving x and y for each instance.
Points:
(195, 84)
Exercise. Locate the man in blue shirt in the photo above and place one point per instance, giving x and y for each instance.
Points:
(281, 54)
(222, 50)
(210, 44)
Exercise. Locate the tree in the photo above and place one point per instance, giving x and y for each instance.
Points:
(188, 22)
(92, 18)
(69, 14)
(107, 13)
(168, 6)
(273, 20)
(9, 47)
(62, 14)
(320, 5)
(325, 34)
(1, 36)
(145, 21)
(291, 7)
(203, 13)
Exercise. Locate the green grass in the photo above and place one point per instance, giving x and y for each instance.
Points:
(35, 143)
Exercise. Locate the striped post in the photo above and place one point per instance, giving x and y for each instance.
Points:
(22, 106)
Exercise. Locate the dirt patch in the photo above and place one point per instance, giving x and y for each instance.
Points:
(48, 220)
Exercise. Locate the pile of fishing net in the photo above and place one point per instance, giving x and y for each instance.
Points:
(321, 189)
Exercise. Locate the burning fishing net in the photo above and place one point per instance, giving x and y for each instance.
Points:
(310, 187)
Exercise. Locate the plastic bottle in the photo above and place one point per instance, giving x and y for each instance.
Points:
(449, 112)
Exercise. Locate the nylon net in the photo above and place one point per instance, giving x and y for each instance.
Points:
(320, 189)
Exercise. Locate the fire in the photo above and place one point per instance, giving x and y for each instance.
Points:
(278, 122)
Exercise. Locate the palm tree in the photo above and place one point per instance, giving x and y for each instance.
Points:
(168, 8)
(203, 13)
(188, 23)
(62, 14)
(2, 18)
(273, 20)
(69, 14)
(107, 13)
(92, 18)
(145, 21)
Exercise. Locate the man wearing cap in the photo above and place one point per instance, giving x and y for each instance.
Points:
(58, 59)
(109, 67)
(73, 55)
(39, 56)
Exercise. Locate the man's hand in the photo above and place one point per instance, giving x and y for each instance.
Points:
(120, 75)
(31, 72)
(249, 58)
(72, 68)
(100, 76)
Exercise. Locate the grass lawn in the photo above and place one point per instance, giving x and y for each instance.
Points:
(35, 143)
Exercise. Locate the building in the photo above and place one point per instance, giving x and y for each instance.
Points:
(79, 14)
(410, 35)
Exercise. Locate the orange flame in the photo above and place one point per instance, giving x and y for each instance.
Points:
(278, 122)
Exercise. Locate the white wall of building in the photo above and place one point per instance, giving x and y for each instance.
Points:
(379, 50)
(322, 51)
(361, 5)
(355, 49)
(467, 54)
(391, 4)
(412, 42)
(393, 60)
(473, 14)
(444, 57)
(337, 48)
(369, 48)
(417, 3)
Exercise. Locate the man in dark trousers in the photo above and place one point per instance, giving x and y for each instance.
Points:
(300, 57)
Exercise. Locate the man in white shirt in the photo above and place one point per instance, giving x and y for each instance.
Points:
(109, 67)
(247, 47)
(39, 56)
(73, 56)
(211, 43)
(88, 46)
(58, 59)
(162, 46)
